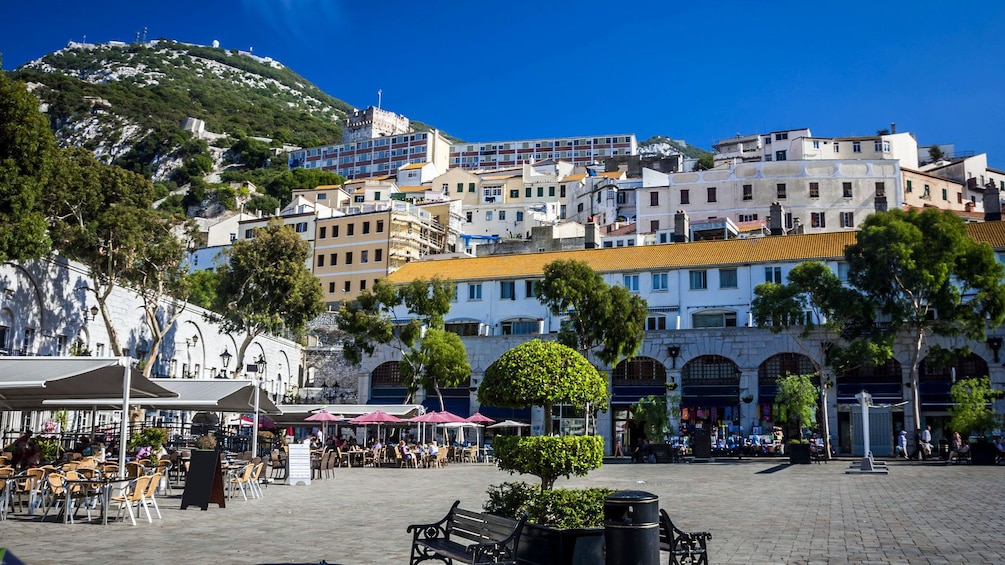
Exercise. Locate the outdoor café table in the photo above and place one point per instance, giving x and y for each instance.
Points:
(103, 483)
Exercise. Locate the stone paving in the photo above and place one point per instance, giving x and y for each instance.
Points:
(758, 510)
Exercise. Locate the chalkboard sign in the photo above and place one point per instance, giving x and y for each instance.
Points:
(299, 463)
(204, 483)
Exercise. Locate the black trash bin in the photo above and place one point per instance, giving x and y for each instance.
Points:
(632, 528)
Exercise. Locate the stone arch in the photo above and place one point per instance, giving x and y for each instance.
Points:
(936, 379)
(710, 392)
(779, 365)
(639, 371)
(884, 382)
(387, 384)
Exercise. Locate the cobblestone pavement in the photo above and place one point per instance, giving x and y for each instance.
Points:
(759, 511)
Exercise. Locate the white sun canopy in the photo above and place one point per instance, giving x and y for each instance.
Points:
(35, 383)
(201, 395)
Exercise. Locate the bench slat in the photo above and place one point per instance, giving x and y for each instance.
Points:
(492, 537)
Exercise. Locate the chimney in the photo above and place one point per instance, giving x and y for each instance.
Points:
(776, 221)
(992, 205)
(893, 127)
(592, 236)
(681, 227)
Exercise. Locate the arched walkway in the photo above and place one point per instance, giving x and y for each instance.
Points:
(710, 394)
(631, 380)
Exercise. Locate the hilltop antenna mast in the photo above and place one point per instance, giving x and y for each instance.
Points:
(379, 92)
(144, 34)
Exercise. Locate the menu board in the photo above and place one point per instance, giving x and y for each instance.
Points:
(299, 462)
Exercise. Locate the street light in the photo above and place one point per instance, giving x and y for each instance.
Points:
(330, 392)
(225, 359)
(260, 365)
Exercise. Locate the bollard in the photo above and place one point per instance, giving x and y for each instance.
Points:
(632, 528)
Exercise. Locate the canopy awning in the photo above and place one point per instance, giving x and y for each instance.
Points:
(35, 383)
(212, 395)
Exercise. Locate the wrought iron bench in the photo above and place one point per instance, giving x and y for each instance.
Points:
(684, 547)
(463, 536)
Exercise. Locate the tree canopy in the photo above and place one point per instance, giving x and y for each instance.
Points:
(438, 360)
(543, 373)
(27, 157)
(266, 286)
(600, 316)
(972, 408)
(797, 395)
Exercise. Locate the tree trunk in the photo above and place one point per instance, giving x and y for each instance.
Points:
(915, 394)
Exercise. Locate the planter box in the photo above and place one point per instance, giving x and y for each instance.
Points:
(541, 545)
(799, 453)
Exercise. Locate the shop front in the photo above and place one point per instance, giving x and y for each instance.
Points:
(632, 380)
(885, 384)
(710, 403)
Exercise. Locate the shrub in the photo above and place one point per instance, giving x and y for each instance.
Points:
(557, 508)
(549, 457)
(205, 442)
(153, 438)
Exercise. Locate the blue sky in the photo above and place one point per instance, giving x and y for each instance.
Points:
(692, 70)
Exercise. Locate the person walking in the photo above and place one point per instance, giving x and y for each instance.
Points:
(902, 444)
(926, 443)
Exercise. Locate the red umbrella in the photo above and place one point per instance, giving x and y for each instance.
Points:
(324, 417)
(377, 417)
(479, 418)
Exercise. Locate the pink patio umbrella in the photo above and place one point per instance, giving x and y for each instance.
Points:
(324, 417)
(443, 417)
(479, 418)
(377, 417)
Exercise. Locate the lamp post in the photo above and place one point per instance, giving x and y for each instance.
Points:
(225, 359)
(330, 392)
(260, 365)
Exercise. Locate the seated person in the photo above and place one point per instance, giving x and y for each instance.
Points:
(82, 444)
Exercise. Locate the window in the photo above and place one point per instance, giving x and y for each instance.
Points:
(654, 198)
(856, 147)
(348, 258)
(488, 215)
(561, 192)
(460, 187)
(579, 208)
(519, 216)
(836, 145)
(530, 288)
(331, 287)
(502, 215)
(847, 219)
(520, 326)
(654, 226)
(779, 155)
(551, 191)
(301, 227)
(780, 190)
(380, 226)
(748, 192)
(781, 136)
(514, 193)
(378, 255)
(927, 193)
(773, 275)
(654, 323)
(909, 188)
(321, 260)
(376, 196)
(816, 144)
(334, 231)
(249, 233)
(468, 216)
(540, 192)
(699, 280)
(471, 187)
(322, 232)
(350, 229)
(711, 194)
(364, 256)
(727, 278)
(814, 190)
(660, 281)
(846, 189)
(362, 284)
(747, 217)
(474, 292)
(945, 195)
(881, 189)
(528, 192)
(714, 320)
(333, 259)
(685, 196)
(366, 227)
(347, 287)
(632, 282)
(877, 146)
(817, 220)
(507, 290)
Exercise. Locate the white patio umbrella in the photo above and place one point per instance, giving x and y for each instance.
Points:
(510, 424)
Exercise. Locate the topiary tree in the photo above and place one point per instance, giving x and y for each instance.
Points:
(543, 373)
(972, 409)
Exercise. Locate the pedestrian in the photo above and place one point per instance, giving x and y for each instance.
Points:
(902, 444)
(926, 442)
(957, 447)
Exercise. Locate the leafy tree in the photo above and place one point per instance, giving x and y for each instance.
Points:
(251, 152)
(651, 411)
(972, 409)
(705, 162)
(797, 396)
(101, 216)
(430, 357)
(600, 316)
(267, 287)
(202, 287)
(935, 154)
(543, 373)
(438, 359)
(27, 154)
(925, 275)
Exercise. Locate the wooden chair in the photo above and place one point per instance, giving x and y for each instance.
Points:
(132, 496)
(256, 480)
(30, 485)
(148, 496)
(56, 495)
(318, 465)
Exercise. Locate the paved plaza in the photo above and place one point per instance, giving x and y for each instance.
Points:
(758, 510)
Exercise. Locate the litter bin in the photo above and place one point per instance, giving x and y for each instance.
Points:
(632, 528)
